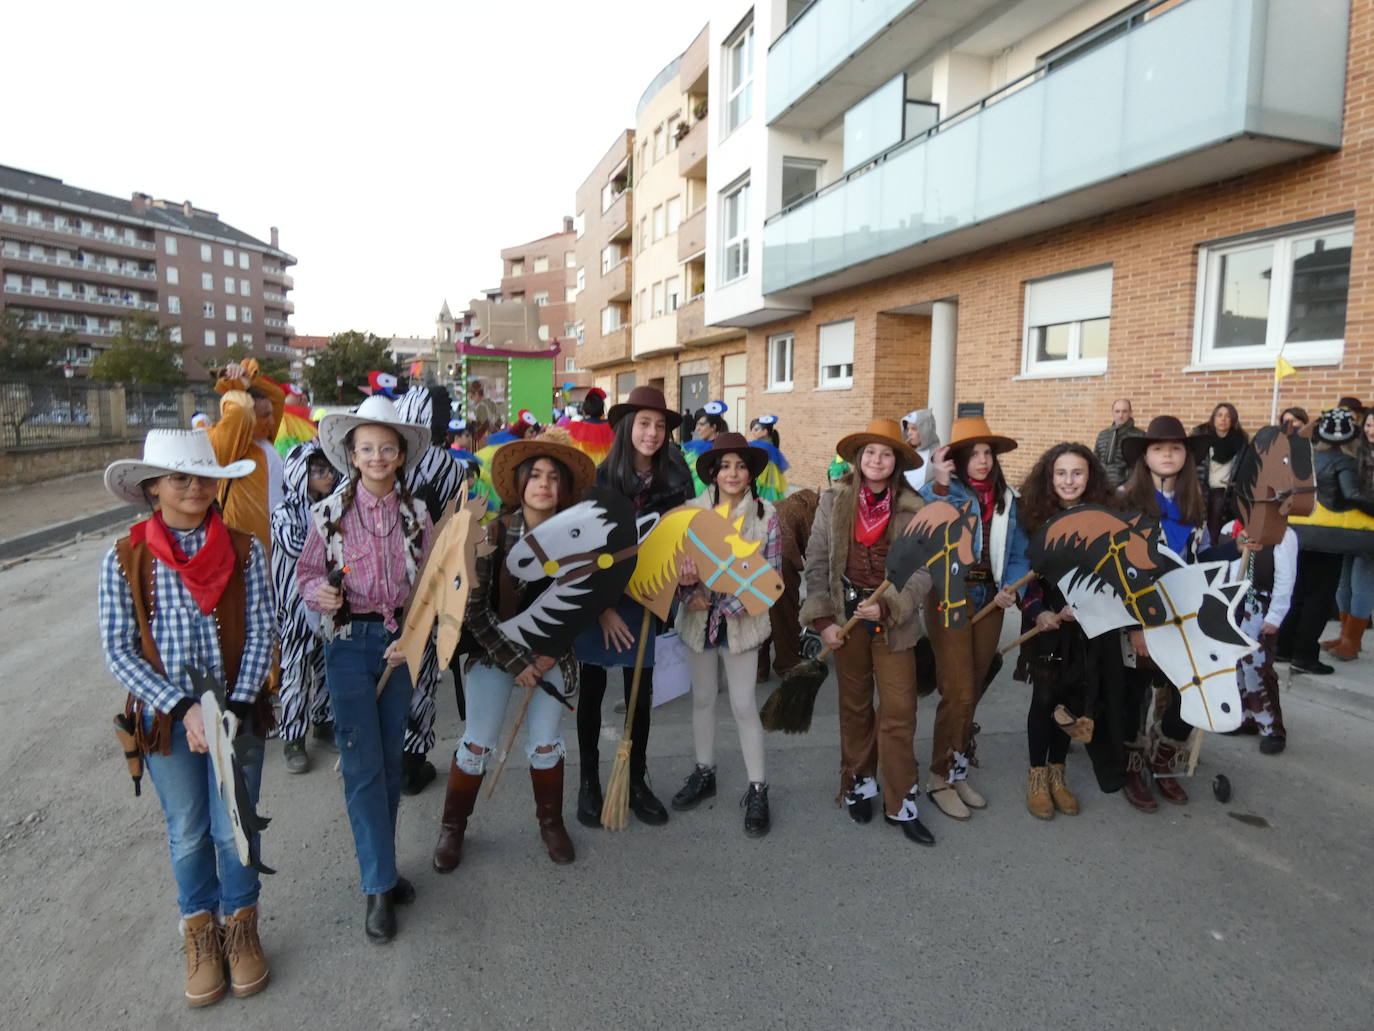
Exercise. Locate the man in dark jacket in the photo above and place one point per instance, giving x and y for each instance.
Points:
(1108, 447)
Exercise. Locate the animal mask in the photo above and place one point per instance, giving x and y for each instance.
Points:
(939, 538)
(1273, 479)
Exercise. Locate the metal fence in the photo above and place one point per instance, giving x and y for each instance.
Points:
(147, 408)
(53, 411)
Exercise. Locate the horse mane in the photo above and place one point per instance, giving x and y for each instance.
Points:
(656, 564)
(1068, 531)
(1247, 471)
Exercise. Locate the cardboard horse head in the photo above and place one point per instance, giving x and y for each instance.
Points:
(939, 539)
(725, 561)
(1273, 479)
(583, 557)
(1105, 563)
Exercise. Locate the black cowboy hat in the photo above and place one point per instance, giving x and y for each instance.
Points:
(1162, 428)
(649, 398)
(730, 444)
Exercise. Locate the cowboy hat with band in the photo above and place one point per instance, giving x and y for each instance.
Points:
(972, 430)
(549, 444)
(645, 399)
(170, 453)
(374, 411)
(1163, 428)
(708, 462)
(880, 431)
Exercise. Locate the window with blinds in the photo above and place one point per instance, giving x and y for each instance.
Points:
(836, 355)
(1068, 323)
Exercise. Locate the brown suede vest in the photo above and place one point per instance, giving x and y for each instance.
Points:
(867, 567)
(139, 565)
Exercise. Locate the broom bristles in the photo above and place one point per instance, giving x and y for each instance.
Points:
(789, 708)
(615, 809)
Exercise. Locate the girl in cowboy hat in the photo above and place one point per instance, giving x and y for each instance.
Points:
(1163, 484)
(967, 469)
(717, 631)
(763, 434)
(856, 521)
(643, 465)
(536, 478)
(373, 534)
(182, 589)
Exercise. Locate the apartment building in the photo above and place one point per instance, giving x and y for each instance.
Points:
(1039, 206)
(75, 260)
(543, 273)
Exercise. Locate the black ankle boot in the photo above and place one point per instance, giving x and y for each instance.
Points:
(700, 785)
(416, 773)
(645, 805)
(589, 801)
(380, 923)
(755, 803)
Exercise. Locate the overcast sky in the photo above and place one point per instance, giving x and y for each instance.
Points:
(398, 146)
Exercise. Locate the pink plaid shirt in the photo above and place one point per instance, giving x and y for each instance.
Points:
(375, 553)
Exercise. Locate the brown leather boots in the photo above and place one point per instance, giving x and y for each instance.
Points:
(462, 796)
(548, 807)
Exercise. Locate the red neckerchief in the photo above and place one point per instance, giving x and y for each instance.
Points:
(983, 488)
(207, 573)
(872, 516)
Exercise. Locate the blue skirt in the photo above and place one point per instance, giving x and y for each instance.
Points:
(590, 648)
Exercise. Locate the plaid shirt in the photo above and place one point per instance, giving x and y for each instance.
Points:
(481, 618)
(182, 633)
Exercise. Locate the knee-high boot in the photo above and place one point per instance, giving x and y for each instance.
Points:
(548, 807)
(458, 802)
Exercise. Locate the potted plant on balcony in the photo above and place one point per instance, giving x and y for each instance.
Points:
(699, 111)
(681, 132)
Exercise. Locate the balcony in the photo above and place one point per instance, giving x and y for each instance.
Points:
(618, 281)
(279, 274)
(691, 235)
(271, 323)
(104, 300)
(71, 229)
(1204, 91)
(695, 65)
(618, 217)
(692, 330)
(691, 152)
(277, 301)
(609, 349)
(13, 255)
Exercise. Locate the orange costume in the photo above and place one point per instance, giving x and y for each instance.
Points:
(237, 436)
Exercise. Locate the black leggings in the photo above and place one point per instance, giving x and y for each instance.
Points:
(591, 693)
(1048, 744)
(1319, 574)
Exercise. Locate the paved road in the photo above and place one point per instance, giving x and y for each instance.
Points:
(1190, 918)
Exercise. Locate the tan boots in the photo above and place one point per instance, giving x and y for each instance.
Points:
(243, 952)
(1063, 798)
(205, 982)
(1046, 792)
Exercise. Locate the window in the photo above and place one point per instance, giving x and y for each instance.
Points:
(174, 334)
(243, 288)
(581, 280)
(173, 276)
(780, 350)
(658, 299)
(658, 223)
(209, 338)
(541, 298)
(610, 319)
(205, 254)
(674, 120)
(580, 333)
(169, 245)
(231, 313)
(243, 260)
(207, 310)
(643, 306)
(735, 230)
(207, 281)
(246, 314)
(570, 294)
(570, 259)
(541, 264)
(230, 285)
(673, 213)
(579, 224)
(543, 332)
(173, 305)
(1068, 319)
(837, 354)
(610, 257)
(230, 339)
(660, 146)
(1285, 290)
(517, 268)
(800, 178)
(229, 257)
(739, 77)
(624, 383)
(643, 232)
(569, 364)
(672, 293)
(248, 340)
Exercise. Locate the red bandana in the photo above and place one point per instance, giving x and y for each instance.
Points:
(207, 573)
(983, 488)
(871, 520)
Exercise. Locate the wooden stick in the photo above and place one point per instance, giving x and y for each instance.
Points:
(386, 675)
(854, 621)
(1019, 641)
(510, 741)
(1194, 749)
(992, 604)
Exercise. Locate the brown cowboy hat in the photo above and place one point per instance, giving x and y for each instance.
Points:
(879, 431)
(1162, 428)
(730, 444)
(641, 398)
(974, 430)
(553, 443)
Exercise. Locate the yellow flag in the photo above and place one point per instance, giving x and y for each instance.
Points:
(1283, 368)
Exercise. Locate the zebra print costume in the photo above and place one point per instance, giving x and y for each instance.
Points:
(438, 478)
(302, 693)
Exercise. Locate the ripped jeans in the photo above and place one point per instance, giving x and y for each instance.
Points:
(488, 693)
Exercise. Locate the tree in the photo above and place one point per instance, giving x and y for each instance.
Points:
(277, 369)
(351, 355)
(24, 350)
(141, 352)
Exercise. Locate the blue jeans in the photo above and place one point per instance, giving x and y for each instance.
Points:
(205, 860)
(369, 731)
(1355, 595)
(488, 693)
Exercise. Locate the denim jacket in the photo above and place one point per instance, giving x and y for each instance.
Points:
(1009, 544)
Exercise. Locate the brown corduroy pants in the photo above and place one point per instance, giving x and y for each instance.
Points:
(962, 657)
(880, 742)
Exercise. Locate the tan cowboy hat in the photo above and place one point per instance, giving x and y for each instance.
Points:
(166, 452)
(730, 444)
(375, 410)
(879, 431)
(553, 443)
(974, 430)
(645, 397)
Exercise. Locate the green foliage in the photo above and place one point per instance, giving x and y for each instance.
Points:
(272, 366)
(141, 352)
(351, 355)
(24, 350)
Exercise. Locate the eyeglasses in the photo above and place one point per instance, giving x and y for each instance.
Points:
(183, 481)
(388, 452)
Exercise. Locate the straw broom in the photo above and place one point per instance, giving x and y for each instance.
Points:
(615, 811)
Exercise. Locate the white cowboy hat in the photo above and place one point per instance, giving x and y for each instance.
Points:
(375, 410)
(166, 452)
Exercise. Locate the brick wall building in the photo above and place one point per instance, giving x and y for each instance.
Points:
(542, 273)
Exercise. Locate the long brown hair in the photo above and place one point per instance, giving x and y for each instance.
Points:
(1139, 491)
(525, 470)
(1039, 503)
(962, 456)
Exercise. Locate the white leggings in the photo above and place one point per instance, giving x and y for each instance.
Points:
(740, 671)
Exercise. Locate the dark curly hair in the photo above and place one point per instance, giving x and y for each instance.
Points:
(1039, 503)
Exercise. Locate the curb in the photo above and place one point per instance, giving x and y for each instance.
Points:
(1328, 692)
(27, 544)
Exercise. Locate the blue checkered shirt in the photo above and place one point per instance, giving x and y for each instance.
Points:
(183, 634)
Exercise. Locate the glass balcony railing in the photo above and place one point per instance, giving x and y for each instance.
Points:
(1160, 103)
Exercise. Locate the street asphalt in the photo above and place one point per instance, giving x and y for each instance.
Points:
(1254, 913)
